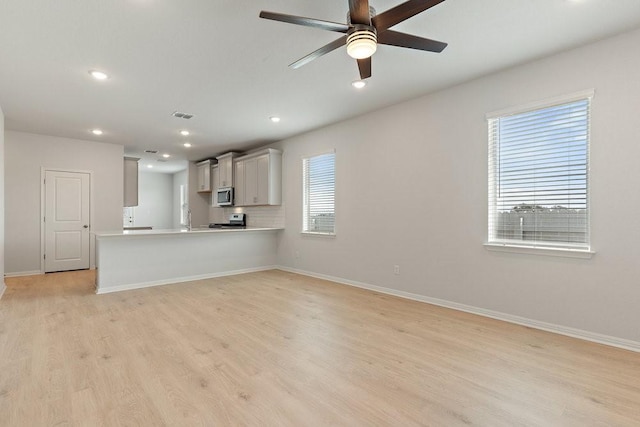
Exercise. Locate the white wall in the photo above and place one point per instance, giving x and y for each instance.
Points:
(179, 178)
(25, 155)
(2, 180)
(426, 160)
(155, 197)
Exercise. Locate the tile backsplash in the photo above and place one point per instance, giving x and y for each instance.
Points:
(257, 216)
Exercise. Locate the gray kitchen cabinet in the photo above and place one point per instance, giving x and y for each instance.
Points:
(225, 166)
(259, 178)
(239, 188)
(215, 184)
(204, 176)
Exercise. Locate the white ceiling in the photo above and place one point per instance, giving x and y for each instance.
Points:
(219, 61)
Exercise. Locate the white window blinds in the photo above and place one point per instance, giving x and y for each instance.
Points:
(319, 185)
(539, 176)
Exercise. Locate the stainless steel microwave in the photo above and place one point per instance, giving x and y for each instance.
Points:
(224, 196)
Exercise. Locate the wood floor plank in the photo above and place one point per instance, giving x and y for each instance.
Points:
(276, 348)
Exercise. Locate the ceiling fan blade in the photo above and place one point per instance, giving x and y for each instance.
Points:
(395, 38)
(359, 12)
(364, 65)
(307, 22)
(318, 53)
(403, 11)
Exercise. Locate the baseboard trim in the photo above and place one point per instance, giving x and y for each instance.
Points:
(23, 273)
(176, 280)
(523, 321)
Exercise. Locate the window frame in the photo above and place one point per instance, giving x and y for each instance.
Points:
(538, 247)
(304, 196)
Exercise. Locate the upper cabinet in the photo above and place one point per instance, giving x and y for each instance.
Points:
(130, 182)
(204, 176)
(238, 172)
(215, 184)
(225, 169)
(259, 178)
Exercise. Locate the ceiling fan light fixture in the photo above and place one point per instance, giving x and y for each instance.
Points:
(362, 43)
(361, 31)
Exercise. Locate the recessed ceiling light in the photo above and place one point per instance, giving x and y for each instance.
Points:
(359, 84)
(98, 75)
(149, 166)
(166, 156)
(184, 132)
(96, 132)
(186, 144)
(274, 119)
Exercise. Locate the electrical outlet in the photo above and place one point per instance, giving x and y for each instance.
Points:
(396, 269)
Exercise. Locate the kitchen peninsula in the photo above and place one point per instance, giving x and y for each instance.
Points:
(142, 258)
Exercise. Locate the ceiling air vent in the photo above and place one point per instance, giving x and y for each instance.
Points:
(181, 115)
(151, 151)
(162, 160)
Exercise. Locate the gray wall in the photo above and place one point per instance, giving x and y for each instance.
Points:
(426, 160)
(179, 178)
(155, 197)
(2, 252)
(25, 155)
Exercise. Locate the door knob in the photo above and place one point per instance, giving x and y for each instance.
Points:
(85, 226)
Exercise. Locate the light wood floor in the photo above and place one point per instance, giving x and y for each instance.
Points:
(275, 348)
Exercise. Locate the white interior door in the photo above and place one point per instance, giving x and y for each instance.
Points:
(66, 221)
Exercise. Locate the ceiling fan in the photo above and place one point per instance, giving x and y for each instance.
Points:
(364, 30)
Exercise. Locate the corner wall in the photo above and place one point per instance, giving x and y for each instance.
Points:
(179, 178)
(26, 154)
(2, 180)
(155, 195)
(198, 202)
(412, 191)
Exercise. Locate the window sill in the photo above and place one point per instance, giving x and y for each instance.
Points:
(317, 233)
(536, 250)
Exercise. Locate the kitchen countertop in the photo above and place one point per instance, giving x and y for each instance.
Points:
(179, 231)
(143, 258)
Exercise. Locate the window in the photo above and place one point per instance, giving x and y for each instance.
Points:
(539, 176)
(318, 194)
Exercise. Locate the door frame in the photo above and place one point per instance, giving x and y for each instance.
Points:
(43, 171)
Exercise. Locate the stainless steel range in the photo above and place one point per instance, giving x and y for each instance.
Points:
(236, 220)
